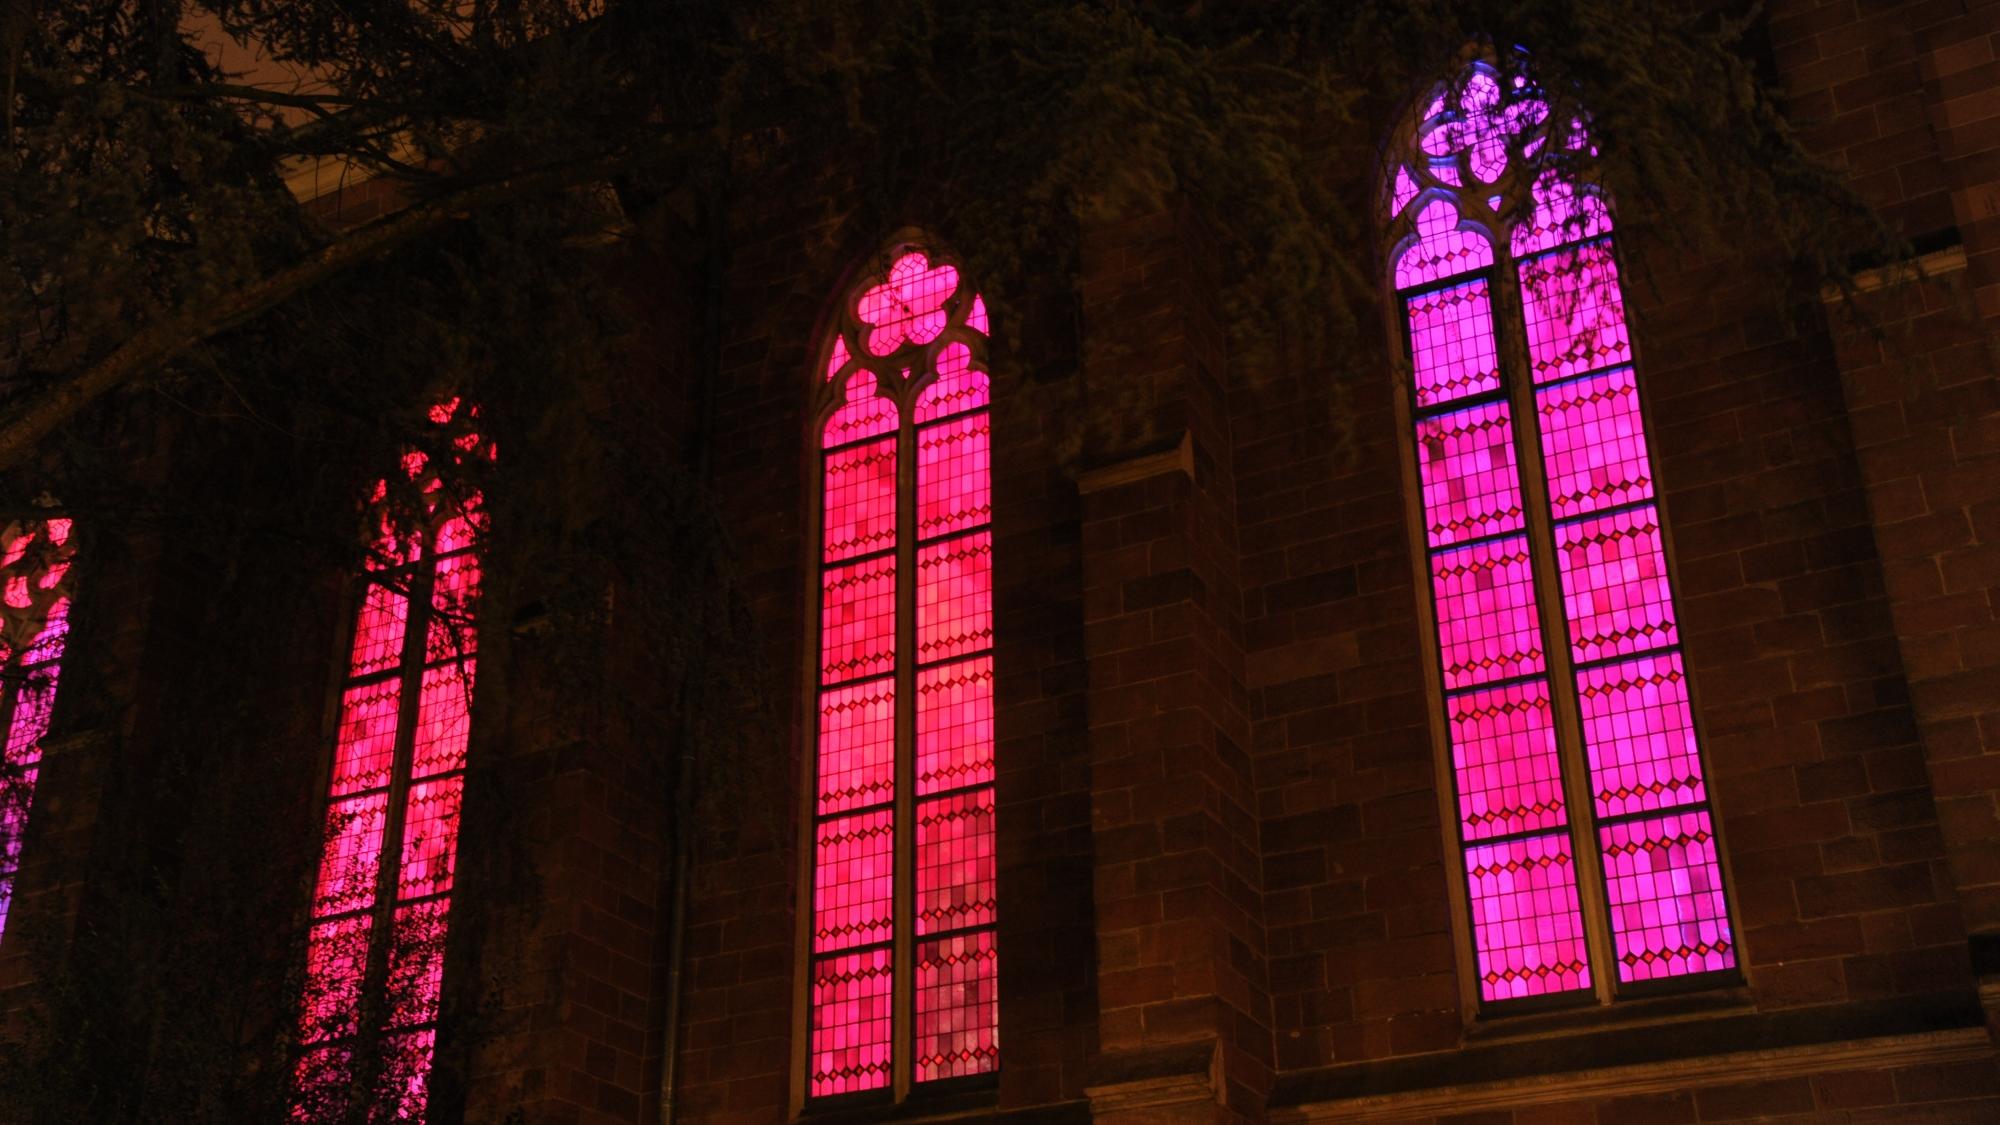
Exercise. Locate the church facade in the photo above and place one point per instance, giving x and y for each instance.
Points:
(1594, 718)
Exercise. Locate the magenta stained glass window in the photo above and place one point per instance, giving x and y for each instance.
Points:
(35, 559)
(1590, 630)
(381, 902)
(904, 862)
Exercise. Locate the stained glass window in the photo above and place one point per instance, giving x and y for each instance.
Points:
(1586, 841)
(381, 901)
(903, 946)
(35, 558)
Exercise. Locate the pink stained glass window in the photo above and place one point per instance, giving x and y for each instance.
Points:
(1664, 886)
(1551, 390)
(852, 1032)
(954, 597)
(1640, 736)
(954, 489)
(1594, 443)
(904, 748)
(36, 557)
(858, 621)
(860, 500)
(1444, 248)
(854, 880)
(1452, 344)
(1509, 776)
(1525, 920)
(857, 746)
(955, 725)
(382, 895)
(955, 862)
(1614, 577)
(1574, 312)
(1486, 615)
(1472, 488)
(958, 1006)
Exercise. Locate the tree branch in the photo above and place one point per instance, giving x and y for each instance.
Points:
(142, 355)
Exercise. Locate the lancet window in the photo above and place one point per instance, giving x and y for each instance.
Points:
(1585, 837)
(381, 901)
(902, 947)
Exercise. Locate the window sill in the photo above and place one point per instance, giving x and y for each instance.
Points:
(1732, 999)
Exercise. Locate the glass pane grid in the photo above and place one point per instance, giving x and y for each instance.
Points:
(954, 490)
(1575, 314)
(1615, 592)
(955, 597)
(1526, 924)
(1452, 346)
(854, 880)
(958, 1006)
(357, 879)
(1508, 772)
(1488, 628)
(955, 862)
(860, 500)
(1471, 486)
(852, 1024)
(1664, 886)
(1666, 910)
(1594, 443)
(1638, 732)
(857, 746)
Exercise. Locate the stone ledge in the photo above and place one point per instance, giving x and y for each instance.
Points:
(1525, 1070)
(1153, 1082)
(1962, 1044)
(1178, 458)
(1937, 263)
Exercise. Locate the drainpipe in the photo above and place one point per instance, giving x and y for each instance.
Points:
(708, 369)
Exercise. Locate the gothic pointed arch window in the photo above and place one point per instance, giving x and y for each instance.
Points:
(381, 900)
(902, 951)
(35, 584)
(1585, 840)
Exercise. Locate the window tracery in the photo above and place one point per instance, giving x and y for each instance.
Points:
(36, 556)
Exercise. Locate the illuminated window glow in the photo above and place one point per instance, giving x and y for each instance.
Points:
(381, 904)
(903, 945)
(35, 558)
(1571, 414)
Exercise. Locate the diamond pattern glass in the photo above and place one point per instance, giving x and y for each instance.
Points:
(852, 1024)
(1451, 343)
(1594, 443)
(958, 1006)
(955, 863)
(1471, 486)
(1665, 890)
(1574, 312)
(1525, 920)
(1509, 776)
(854, 884)
(1639, 734)
(1486, 617)
(1614, 577)
(857, 746)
